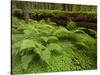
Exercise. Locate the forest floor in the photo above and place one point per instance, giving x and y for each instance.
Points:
(41, 46)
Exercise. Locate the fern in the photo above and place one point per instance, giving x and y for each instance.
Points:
(71, 25)
(55, 47)
(39, 48)
(61, 32)
(78, 31)
(31, 30)
(45, 39)
(81, 28)
(81, 45)
(33, 47)
(92, 33)
(25, 60)
(18, 25)
(49, 39)
(45, 26)
(44, 48)
(52, 39)
(27, 44)
(50, 22)
(45, 55)
(16, 48)
(45, 29)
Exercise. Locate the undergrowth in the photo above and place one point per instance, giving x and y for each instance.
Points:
(44, 47)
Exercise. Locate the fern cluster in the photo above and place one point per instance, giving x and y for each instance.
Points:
(44, 47)
(71, 25)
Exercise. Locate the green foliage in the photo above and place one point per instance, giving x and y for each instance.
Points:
(27, 44)
(49, 39)
(17, 25)
(61, 32)
(59, 12)
(88, 16)
(45, 55)
(79, 31)
(71, 25)
(52, 39)
(30, 48)
(55, 48)
(48, 21)
(92, 32)
(26, 59)
(43, 47)
(81, 45)
(81, 28)
(45, 39)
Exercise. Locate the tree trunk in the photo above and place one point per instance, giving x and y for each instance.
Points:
(25, 11)
(65, 7)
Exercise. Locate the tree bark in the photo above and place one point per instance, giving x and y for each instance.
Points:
(25, 11)
(65, 7)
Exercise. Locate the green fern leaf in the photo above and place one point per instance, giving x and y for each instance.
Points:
(81, 45)
(45, 39)
(45, 55)
(27, 44)
(52, 39)
(39, 48)
(55, 47)
(61, 32)
(79, 31)
(49, 39)
(25, 60)
(71, 25)
(81, 28)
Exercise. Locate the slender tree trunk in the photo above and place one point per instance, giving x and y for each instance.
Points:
(25, 11)
(65, 7)
(69, 6)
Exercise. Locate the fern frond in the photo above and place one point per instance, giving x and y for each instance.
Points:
(81, 45)
(49, 39)
(81, 28)
(55, 47)
(78, 31)
(52, 39)
(45, 55)
(71, 25)
(37, 48)
(45, 39)
(32, 28)
(25, 60)
(27, 44)
(61, 32)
